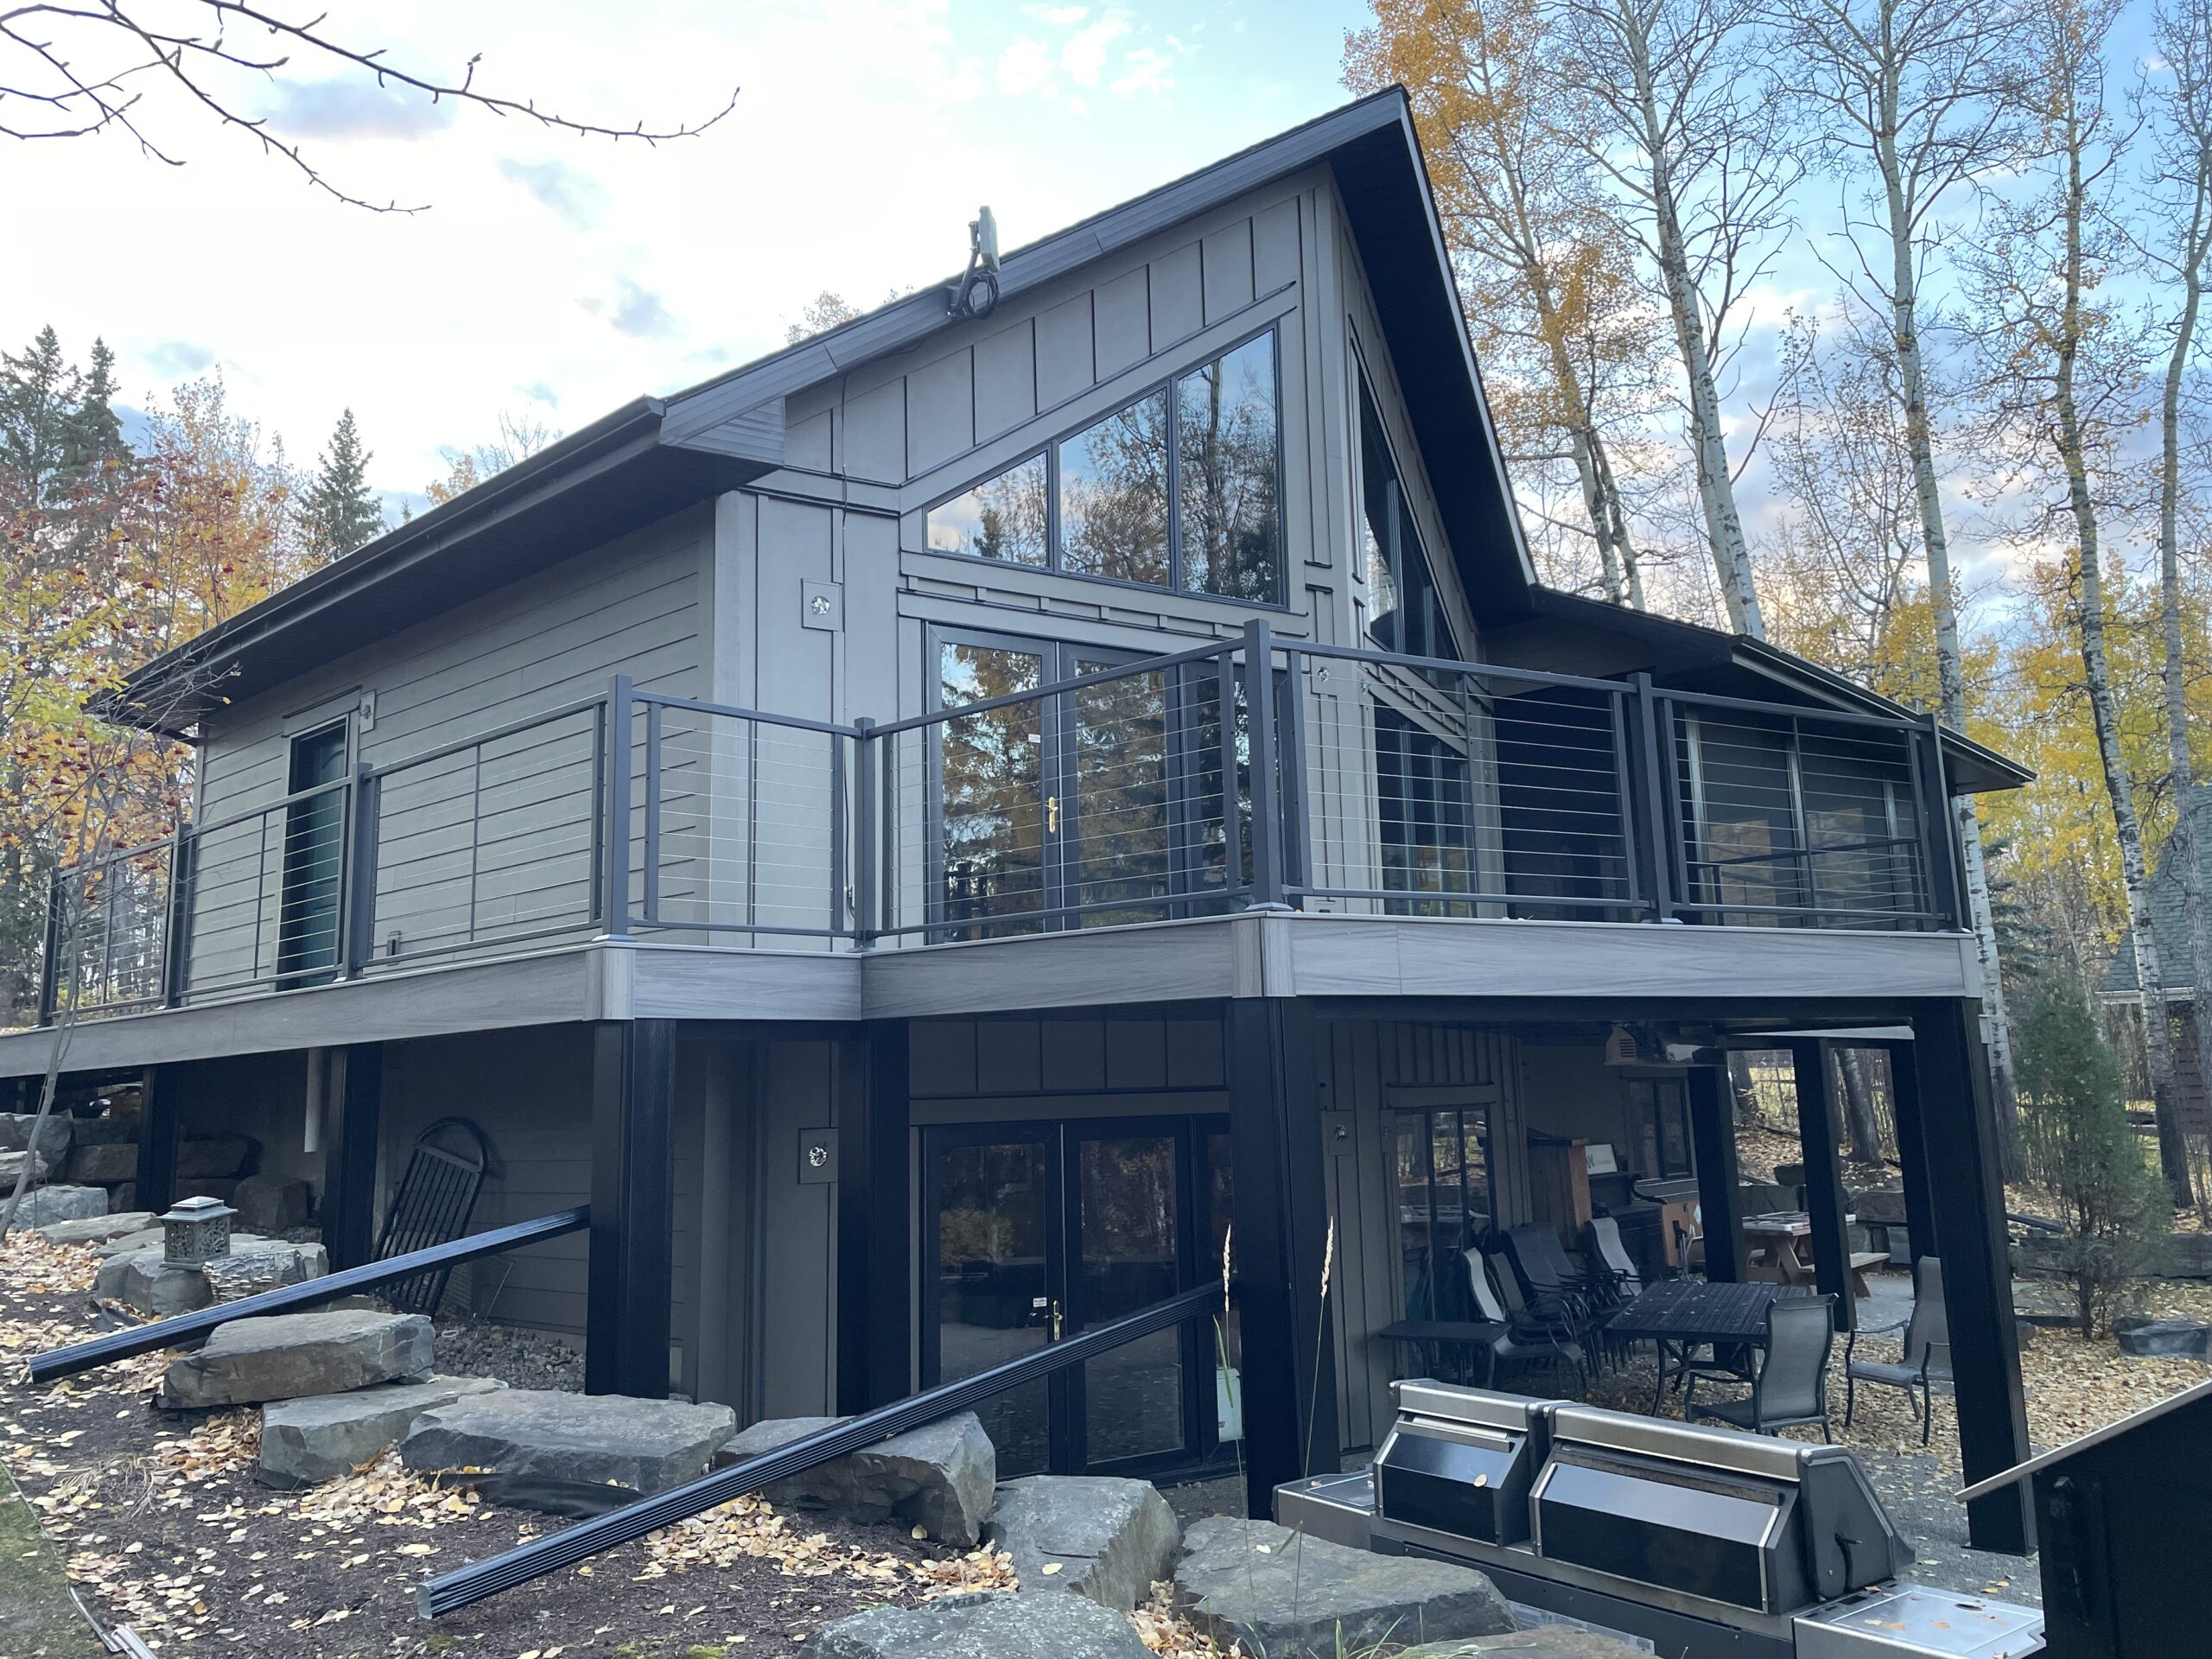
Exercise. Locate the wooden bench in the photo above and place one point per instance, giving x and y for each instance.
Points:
(1860, 1260)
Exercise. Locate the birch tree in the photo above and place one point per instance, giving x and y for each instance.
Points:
(1547, 290)
(2181, 115)
(1912, 102)
(2064, 378)
(1686, 136)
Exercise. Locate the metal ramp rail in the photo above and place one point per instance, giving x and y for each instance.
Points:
(59, 1363)
(464, 1586)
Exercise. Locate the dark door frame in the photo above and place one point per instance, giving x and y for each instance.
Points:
(295, 891)
(1066, 1451)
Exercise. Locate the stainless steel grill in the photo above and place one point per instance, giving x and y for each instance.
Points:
(1703, 1541)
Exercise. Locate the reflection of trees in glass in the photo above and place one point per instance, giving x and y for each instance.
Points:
(1225, 443)
(1121, 741)
(1114, 495)
(993, 765)
(1002, 518)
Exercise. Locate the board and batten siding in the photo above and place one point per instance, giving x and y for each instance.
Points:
(1368, 1067)
(489, 841)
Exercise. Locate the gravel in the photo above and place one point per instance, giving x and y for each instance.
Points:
(521, 1359)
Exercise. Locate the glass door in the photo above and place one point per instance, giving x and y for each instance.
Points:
(994, 816)
(1439, 1164)
(1040, 1232)
(314, 842)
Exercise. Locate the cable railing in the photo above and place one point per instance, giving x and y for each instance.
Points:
(1245, 772)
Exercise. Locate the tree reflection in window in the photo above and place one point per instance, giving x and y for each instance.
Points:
(1002, 518)
(1098, 503)
(1225, 443)
(1113, 496)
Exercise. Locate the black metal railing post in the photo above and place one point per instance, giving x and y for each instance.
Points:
(177, 934)
(651, 880)
(618, 760)
(1292, 760)
(49, 972)
(358, 905)
(1656, 839)
(866, 806)
(1266, 789)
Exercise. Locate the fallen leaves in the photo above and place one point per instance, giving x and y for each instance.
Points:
(387, 1493)
(1165, 1631)
(751, 1527)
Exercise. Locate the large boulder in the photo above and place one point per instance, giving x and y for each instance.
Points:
(95, 1229)
(53, 1135)
(216, 1158)
(283, 1356)
(242, 1274)
(103, 1131)
(46, 1204)
(307, 1441)
(11, 1168)
(146, 1238)
(104, 1164)
(1108, 1539)
(2164, 1338)
(270, 1203)
(939, 1476)
(1280, 1592)
(548, 1444)
(982, 1627)
(136, 1275)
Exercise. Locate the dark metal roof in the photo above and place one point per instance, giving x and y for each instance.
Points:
(655, 456)
(1688, 657)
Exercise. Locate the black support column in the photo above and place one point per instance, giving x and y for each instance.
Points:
(1719, 1194)
(1912, 1149)
(876, 1231)
(633, 1204)
(353, 1108)
(159, 1115)
(1958, 1126)
(1279, 1214)
(1810, 1060)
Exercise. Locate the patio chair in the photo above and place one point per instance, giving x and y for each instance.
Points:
(1552, 1288)
(1790, 1383)
(1528, 1336)
(1613, 1271)
(1925, 1360)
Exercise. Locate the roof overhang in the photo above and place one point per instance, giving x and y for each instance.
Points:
(1571, 633)
(617, 475)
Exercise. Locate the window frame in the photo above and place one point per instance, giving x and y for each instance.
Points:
(1048, 451)
(1364, 397)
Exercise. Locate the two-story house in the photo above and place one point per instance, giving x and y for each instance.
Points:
(937, 832)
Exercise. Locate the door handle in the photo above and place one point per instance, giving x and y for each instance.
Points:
(1056, 1321)
(1052, 815)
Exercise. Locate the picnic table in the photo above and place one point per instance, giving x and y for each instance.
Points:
(1680, 1314)
(1776, 1252)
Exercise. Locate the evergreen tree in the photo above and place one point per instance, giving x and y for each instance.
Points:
(343, 512)
(2081, 1145)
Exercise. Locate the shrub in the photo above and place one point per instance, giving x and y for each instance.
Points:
(2079, 1143)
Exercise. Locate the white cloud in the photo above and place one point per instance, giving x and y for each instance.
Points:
(1084, 55)
(1025, 67)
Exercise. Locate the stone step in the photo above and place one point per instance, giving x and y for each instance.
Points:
(320, 1437)
(11, 1168)
(982, 1627)
(104, 1164)
(1282, 1593)
(1546, 1641)
(284, 1355)
(47, 1205)
(939, 1477)
(96, 1230)
(53, 1135)
(550, 1440)
(1105, 1538)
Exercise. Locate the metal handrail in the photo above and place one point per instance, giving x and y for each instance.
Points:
(59, 1363)
(465, 1585)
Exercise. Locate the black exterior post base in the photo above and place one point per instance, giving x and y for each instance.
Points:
(1279, 1247)
(1816, 1140)
(1958, 1125)
(628, 1320)
(874, 1231)
(352, 1123)
(160, 1117)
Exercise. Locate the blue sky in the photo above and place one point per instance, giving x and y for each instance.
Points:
(556, 276)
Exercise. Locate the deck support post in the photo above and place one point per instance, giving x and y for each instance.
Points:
(160, 1114)
(349, 1156)
(1288, 1367)
(1966, 1195)
(874, 1231)
(627, 1318)
(1719, 1196)
(1912, 1149)
(1814, 1066)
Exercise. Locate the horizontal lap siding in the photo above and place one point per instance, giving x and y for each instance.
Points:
(503, 853)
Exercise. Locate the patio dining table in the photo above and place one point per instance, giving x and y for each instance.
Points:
(1680, 1314)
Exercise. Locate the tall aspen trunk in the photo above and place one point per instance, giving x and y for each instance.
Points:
(1860, 1125)
(2185, 848)
(1617, 520)
(1950, 672)
(2096, 672)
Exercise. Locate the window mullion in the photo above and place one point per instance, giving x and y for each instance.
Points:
(1175, 462)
